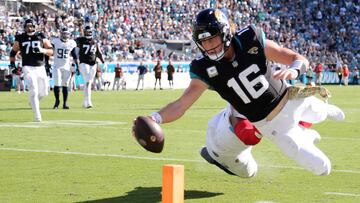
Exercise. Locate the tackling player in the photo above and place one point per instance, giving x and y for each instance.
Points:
(63, 47)
(235, 66)
(89, 51)
(33, 47)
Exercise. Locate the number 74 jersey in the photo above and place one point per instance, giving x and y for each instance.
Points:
(62, 52)
(246, 82)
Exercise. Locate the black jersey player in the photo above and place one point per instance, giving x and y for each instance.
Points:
(89, 51)
(33, 47)
(235, 66)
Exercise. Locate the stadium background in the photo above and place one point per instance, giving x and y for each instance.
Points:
(327, 32)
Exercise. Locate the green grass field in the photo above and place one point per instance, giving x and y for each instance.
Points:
(89, 155)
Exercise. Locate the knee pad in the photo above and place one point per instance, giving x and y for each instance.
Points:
(247, 132)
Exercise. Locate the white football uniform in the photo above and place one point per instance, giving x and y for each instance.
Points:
(61, 70)
(226, 148)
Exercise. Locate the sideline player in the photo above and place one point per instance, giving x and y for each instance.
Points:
(63, 47)
(88, 51)
(33, 47)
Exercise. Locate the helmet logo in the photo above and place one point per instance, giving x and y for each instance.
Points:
(220, 16)
(204, 35)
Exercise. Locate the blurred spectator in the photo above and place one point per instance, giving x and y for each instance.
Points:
(142, 70)
(309, 76)
(339, 72)
(157, 72)
(346, 74)
(170, 71)
(324, 31)
(119, 78)
(18, 77)
(318, 72)
(355, 76)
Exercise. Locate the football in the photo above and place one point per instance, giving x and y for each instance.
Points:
(148, 134)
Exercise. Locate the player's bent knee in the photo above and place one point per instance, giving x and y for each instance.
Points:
(245, 170)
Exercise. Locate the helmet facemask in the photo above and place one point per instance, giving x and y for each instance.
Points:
(88, 32)
(212, 25)
(29, 27)
(65, 34)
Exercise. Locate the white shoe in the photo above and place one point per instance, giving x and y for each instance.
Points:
(335, 113)
(37, 119)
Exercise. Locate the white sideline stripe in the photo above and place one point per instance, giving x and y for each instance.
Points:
(21, 126)
(150, 158)
(342, 194)
(45, 124)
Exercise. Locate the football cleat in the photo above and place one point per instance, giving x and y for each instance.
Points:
(205, 154)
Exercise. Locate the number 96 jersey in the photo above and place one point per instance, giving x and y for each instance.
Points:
(62, 52)
(246, 82)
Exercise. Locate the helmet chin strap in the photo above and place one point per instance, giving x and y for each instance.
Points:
(217, 56)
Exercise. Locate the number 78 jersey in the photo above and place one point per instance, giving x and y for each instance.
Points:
(246, 82)
(62, 52)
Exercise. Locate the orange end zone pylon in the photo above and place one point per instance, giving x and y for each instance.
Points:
(173, 184)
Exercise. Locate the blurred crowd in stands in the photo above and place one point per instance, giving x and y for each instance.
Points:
(327, 32)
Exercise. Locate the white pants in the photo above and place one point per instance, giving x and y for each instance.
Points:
(88, 73)
(295, 141)
(61, 76)
(38, 85)
(226, 148)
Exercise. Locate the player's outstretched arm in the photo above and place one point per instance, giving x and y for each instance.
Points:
(298, 63)
(176, 109)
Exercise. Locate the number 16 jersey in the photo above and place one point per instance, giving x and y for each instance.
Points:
(246, 82)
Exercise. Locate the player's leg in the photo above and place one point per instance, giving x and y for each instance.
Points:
(295, 141)
(43, 82)
(160, 83)
(57, 83)
(32, 82)
(155, 83)
(92, 73)
(226, 149)
(84, 70)
(66, 76)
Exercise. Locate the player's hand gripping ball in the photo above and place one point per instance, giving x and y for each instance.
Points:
(148, 134)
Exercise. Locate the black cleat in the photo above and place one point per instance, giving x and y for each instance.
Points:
(66, 107)
(56, 105)
(89, 107)
(205, 154)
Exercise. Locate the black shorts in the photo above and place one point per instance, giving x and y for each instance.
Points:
(170, 77)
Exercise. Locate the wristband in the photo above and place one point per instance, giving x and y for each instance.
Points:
(297, 72)
(298, 65)
(157, 117)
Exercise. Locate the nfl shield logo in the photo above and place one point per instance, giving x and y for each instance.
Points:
(212, 72)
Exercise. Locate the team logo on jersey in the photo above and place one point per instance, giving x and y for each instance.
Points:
(253, 50)
(212, 72)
